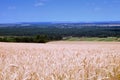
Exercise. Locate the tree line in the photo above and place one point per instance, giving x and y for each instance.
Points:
(45, 34)
(29, 39)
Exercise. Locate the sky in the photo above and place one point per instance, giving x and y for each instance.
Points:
(12, 11)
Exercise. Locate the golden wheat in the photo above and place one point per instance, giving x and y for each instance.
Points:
(60, 61)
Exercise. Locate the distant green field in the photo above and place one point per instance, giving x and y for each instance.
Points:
(91, 39)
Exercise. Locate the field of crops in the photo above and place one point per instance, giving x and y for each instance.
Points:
(61, 60)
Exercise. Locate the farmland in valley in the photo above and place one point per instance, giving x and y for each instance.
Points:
(62, 60)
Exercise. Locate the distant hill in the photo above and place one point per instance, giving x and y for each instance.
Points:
(62, 24)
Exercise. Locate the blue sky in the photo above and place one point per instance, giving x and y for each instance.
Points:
(59, 10)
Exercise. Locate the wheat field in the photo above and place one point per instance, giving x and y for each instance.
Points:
(60, 61)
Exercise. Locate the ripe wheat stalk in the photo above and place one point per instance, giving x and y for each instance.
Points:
(60, 61)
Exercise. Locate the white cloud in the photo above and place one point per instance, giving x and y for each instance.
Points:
(39, 4)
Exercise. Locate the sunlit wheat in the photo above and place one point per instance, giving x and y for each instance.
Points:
(60, 61)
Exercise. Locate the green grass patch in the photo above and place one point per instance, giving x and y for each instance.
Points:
(91, 39)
